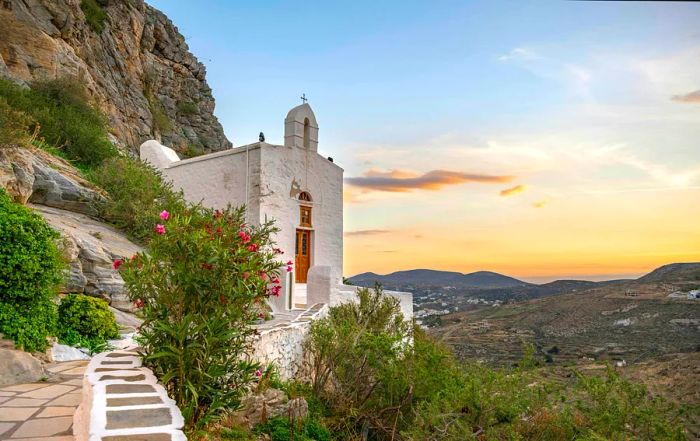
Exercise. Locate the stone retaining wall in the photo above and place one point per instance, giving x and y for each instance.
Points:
(282, 343)
(122, 401)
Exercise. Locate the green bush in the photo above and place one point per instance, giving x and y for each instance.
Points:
(14, 125)
(199, 285)
(353, 353)
(187, 107)
(281, 429)
(161, 121)
(95, 15)
(85, 320)
(30, 271)
(137, 193)
(65, 118)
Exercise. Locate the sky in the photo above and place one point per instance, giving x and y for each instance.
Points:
(542, 140)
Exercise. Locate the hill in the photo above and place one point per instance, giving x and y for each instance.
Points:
(427, 277)
(633, 324)
(674, 272)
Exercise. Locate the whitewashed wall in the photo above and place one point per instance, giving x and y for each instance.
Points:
(219, 178)
(324, 181)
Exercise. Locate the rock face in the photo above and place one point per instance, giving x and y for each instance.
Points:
(138, 69)
(18, 367)
(92, 247)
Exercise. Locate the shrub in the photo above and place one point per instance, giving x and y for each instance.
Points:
(65, 118)
(353, 353)
(198, 287)
(161, 121)
(30, 270)
(14, 125)
(187, 107)
(95, 15)
(137, 194)
(85, 320)
(281, 429)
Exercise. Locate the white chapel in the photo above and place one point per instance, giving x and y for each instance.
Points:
(292, 184)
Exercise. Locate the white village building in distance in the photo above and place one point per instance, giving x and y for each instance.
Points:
(292, 184)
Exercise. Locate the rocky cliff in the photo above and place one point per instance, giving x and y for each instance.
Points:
(132, 59)
(55, 189)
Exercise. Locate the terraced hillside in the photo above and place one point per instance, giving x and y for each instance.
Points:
(628, 322)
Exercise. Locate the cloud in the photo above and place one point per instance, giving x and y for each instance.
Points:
(540, 204)
(548, 67)
(512, 191)
(366, 232)
(401, 181)
(691, 97)
(519, 53)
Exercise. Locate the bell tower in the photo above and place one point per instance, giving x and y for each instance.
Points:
(301, 128)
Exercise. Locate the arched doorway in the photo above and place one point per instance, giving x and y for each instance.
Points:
(303, 252)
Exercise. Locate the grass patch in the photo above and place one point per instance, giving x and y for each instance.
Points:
(95, 15)
(64, 118)
(137, 193)
(15, 125)
(187, 108)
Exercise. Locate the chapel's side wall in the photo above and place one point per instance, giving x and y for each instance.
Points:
(324, 181)
(219, 179)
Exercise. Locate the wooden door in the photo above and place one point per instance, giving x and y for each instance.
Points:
(303, 255)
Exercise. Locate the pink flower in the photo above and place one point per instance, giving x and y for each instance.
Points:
(117, 263)
(261, 315)
(277, 251)
(164, 215)
(244, 236)
(258, 373)
(276, 281)
(262, 275)
(245, 275)
(139, 303)
(253, 247)
(290, 263)
(160, 229)
(275, 290)
(290, 269)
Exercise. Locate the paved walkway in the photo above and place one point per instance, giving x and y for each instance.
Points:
(42, 411)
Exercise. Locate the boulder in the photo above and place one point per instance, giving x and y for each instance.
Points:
(19, 367)
(61, 352)
(92, 247)
(33, 175)
(16, 173)
(269, 404)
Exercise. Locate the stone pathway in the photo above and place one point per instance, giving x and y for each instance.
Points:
(42, 411)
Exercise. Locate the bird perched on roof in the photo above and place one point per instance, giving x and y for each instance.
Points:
(261, 137)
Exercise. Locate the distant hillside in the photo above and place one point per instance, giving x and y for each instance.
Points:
(492, 286)
(674, 272)
(426, 277)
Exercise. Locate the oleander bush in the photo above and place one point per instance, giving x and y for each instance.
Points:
(85, 321)
(200, 286)
(31, 268)
(137, 193)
